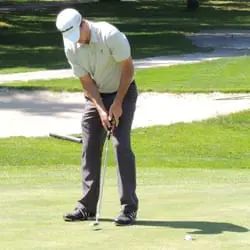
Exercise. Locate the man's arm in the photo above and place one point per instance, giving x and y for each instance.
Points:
(126, 78)
(92, 92)
(125, 81)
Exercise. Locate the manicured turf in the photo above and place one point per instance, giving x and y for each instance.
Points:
(210, 205)
(180, 186)
(224, 75)
(223, 142)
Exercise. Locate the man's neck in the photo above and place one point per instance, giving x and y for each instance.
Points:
(86, 35)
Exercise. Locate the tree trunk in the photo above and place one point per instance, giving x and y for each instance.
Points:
(193, 4)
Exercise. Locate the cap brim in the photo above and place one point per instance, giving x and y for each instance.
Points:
(72, 35)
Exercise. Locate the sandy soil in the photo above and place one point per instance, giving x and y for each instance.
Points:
(39, 113)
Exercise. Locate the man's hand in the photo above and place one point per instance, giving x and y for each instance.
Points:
(115, 112)
(104, 117)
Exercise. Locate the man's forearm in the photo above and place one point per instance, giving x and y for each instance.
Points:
(93, 93)
(126, 78)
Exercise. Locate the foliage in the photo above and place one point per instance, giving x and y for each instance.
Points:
(153, 27)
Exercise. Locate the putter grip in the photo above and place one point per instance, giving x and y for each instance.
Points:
(109, 133)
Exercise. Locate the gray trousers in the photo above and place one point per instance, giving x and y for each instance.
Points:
(93, 141)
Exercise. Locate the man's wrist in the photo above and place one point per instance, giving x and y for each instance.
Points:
(118, 101)
(101, 110)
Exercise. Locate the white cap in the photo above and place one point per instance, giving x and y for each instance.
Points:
(68, 22)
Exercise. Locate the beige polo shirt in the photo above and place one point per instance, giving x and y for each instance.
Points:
(100, 57)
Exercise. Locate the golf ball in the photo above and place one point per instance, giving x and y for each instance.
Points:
(93, 224)
(188, 237)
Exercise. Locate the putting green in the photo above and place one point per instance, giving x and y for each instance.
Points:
(210, 205)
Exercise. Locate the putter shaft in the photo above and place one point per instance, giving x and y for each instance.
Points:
(98, 210)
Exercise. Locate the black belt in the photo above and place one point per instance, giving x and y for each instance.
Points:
(108, 94)
(103, 95)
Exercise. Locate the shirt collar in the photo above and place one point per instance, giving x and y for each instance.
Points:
(93, 36)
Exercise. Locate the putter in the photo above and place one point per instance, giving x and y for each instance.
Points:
(66, 137)
(98, 209)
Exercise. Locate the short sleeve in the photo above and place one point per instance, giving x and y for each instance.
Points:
(119, 46)
(78, 70)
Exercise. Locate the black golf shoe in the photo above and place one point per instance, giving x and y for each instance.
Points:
(79, 214)
(125, 218)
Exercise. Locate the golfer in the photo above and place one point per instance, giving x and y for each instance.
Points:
(99, 55)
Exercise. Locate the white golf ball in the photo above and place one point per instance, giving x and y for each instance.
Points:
(94, 224)
(188, 237)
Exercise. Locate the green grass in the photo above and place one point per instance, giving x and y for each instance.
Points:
(208, 204)
(30, 41)
(172, 146)
(224, 75)
(192, 179)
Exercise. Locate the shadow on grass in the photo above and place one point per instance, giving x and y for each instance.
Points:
(30, 39)
(12, 90)
(195, 227)
(199, 227)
